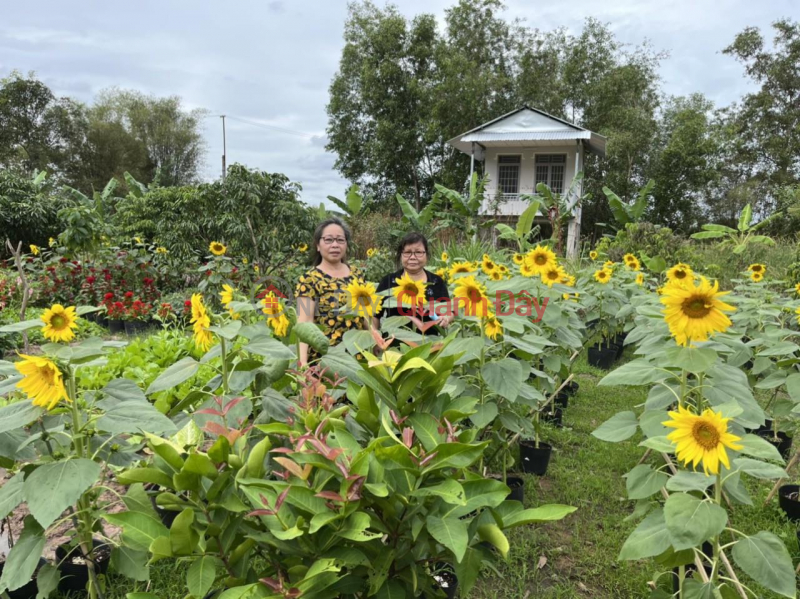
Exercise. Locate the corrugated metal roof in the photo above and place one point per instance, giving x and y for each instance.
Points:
(484, 136)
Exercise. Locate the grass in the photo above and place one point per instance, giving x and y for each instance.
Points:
(577, 557)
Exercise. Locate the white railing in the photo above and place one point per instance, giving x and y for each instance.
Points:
(510, 204)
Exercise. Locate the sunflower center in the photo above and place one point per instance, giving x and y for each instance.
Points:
(540, 259)
(364, 300)
(552, 275)
(757, 268)
(58, 322)
(47, 374)
(705, 435)
(680, 274)
(696, 307)
(410, 288)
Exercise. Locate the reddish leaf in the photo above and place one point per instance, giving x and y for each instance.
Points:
(210, 411)
(231, 404)
(428, 459)
(261, 513)
(408, 437)
(281, 498)
(291, 466)
(215, 428)
(332, 495)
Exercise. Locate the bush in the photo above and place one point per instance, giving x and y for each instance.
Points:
(28, 210)
(653, 240)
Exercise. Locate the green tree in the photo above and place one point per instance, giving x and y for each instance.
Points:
(684, 162)
(157, 128)
(766, 121)
(39, 131)
(29, 209)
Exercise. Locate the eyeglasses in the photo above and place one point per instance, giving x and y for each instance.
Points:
(332, 240)
(415, 254)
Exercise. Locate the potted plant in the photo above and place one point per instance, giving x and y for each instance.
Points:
(77, 436)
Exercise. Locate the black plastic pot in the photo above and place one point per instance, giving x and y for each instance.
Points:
(764, 428)
(91, 316)
(132, 327)
(102, 320)
(446, 581)
(534, 461)
(517, 486)
(790, 506)
(783, 443)
(561, 400)
(572, 388)
(602, 356)
(74, 577)
(116, 326)
(27, 591)
(556, 417)
(167, 517)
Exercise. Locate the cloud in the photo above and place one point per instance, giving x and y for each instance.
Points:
(271, 63)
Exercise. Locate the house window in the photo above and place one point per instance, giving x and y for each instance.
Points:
(550, 171)
(508, 174)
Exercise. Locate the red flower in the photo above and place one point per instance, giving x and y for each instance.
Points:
(128, 294)
(109, 296)
(63, 260)
(90, 280)
(148, 281)
(107, 277)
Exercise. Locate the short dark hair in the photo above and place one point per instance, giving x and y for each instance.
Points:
(316, 258)
(410, 239)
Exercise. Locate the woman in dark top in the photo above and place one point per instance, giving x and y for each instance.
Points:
(412, 254)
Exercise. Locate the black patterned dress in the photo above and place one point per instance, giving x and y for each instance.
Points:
(331, 298)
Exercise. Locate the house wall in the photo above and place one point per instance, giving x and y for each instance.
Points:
(512, 207)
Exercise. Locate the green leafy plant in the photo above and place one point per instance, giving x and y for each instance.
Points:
(744, 234)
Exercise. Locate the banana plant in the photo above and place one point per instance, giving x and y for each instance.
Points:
(629, 213)
(467, 208)
(524, 228)
(740, 238)
(561, 208)
(353, 205)
(418, 221)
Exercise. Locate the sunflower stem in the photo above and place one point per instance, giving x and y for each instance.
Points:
(718, 501)
(684, 384)
(224, 352)
(681, 578)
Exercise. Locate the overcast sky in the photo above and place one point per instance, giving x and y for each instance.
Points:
(270, 62)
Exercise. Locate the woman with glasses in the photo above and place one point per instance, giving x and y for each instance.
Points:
(412, 255)
(321, 292)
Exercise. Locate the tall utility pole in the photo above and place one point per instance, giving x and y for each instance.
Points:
(224, 158)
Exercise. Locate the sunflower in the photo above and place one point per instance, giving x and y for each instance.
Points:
(554, 274)
(701, 438)
(245, 261)
(442, 273)
(35, 250)
(51, 242)
(502, 268)
(217, 248)
(462, 267)
(695, 312)
(409, 290)
(608, 264)
(496, 275)
(363, 299)
(797, 288)
(640, 279)
(271, 305)
(42, 381)
(757, 276)
(680, 273)
(371, 252)
(568, 280)
(302, 248)
(161, 250)
(540, 259)
(593, 255)
(628, 258)
(603, 275)
(200, 322)
(632, 264)
(445, 257)
(59, 322)
(518, 258)
(279, 324)
(526, 270)
(472, 294)
(757, 268)
(256, 269)
(492, 327)
(488, 265)
(226, 295)
(798, 314)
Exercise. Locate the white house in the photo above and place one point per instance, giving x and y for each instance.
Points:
(523, 148)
